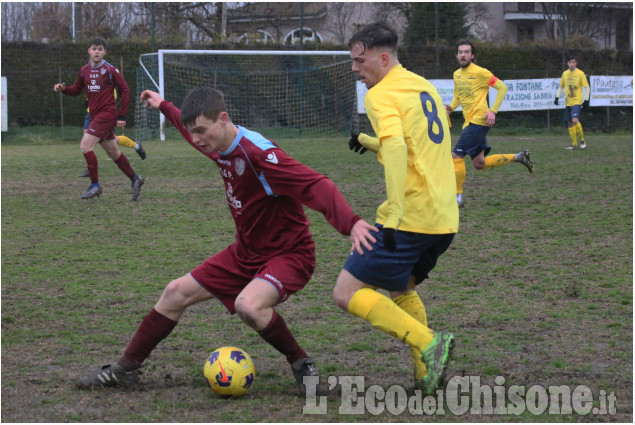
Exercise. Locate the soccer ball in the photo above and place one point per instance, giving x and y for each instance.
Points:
(229, 371)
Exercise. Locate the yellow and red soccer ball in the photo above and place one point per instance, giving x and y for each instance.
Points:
(229, 371)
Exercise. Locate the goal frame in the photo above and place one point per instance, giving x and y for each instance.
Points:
(160, 84)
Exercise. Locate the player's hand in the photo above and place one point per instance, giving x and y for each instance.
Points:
(59, 87)
(490, 117)
(361, 236)
(354, 144)
(555, 101)
(448, 109)
(150, 99)
(389, 239)
(121, 124)
(585, 104)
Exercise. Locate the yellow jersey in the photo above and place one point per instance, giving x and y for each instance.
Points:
(413, 144)
(572, 82)
(471, 85)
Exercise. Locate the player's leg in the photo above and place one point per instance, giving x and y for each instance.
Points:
(355, 292)
(410, 302)
(86, 125)
(254, 306)
(275, 282)
(128, 142)
(155, 326)
(572, 136)
(472, 142)
(575, 122)
(580, 134)
(87, 146)
(112, 149)
(459, 173)
(499, 160)
(463, 147)
(570, 114)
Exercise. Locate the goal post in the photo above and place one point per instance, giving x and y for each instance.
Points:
(308, 93)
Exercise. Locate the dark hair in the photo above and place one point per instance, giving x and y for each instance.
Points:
(98, 41)
(571, 57)
(467, 43)
(204, 101)
(375, 35)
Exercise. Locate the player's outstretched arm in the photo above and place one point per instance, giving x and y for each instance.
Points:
(150, 99)
(361, 236)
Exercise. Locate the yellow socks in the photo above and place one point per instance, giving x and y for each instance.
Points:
(579, 132)
(459, 172)
(572, 135)
(493, 161)
(381, 312)
(411, 304)
(125, 141)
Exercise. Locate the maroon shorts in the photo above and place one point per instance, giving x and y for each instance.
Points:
(103, 126)
(225, 274)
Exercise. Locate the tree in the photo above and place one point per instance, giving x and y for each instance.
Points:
(49, 22)
(573, 19)
(17, 19)
(438, 23)
(393, 11)
(340, 26)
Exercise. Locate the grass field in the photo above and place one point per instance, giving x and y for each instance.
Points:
(537, 286)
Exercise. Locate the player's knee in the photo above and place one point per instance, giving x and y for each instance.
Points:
(113, 154)
(341, 298)
(247, 311)
(479, 165)
(173, 294)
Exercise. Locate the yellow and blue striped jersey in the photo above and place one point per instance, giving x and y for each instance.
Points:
(572, 82)
(414, 145)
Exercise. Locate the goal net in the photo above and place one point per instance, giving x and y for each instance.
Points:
(306, 93)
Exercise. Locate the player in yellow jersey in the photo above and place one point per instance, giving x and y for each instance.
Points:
(574, 83)
(471, 85)
(121, 140)
(418, 221)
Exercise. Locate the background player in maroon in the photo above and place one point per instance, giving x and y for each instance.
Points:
(274, 253)
(101, 79)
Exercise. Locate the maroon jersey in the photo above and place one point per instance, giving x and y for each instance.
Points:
(100, 83)
(266, 189)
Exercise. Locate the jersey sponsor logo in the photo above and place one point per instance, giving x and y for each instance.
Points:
(272, 158)
(239, 165)
(223, 161)
(231, 199)
(93, 86)
(226, 174)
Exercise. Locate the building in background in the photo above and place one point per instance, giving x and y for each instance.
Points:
(608, 25)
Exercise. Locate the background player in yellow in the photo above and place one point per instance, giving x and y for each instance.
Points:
(419, 219)
(471, 85)
(574, 83)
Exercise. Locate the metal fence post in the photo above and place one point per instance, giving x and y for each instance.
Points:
(61, 103)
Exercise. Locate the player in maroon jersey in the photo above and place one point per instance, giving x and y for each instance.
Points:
(101, 79)
(274, 253)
